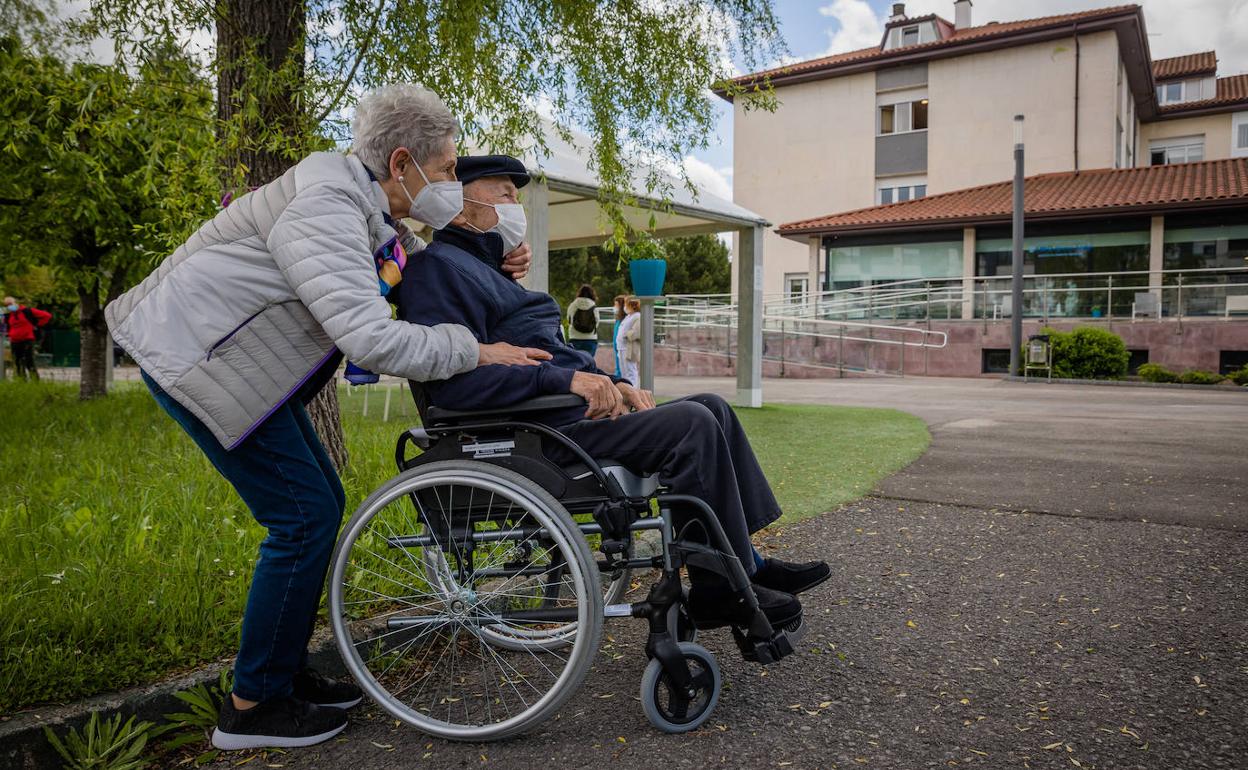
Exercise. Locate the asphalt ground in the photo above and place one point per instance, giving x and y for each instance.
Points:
(960, 627)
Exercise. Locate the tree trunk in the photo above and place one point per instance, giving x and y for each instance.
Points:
(268, 36)
(95, 345)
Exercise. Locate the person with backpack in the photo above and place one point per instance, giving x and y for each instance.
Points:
(583, 320)
(25, 326)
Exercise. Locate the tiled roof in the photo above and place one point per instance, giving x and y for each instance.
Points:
(1052, 195)
(1191, 64)
(959, 36)
(1231, 90)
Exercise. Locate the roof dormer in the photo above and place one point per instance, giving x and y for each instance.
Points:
(901, 31)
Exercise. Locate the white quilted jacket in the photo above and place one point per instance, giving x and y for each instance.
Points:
(242, 314)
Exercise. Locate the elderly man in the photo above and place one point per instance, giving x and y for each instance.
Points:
(695, 444)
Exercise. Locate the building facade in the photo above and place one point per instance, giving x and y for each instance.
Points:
(928, 112)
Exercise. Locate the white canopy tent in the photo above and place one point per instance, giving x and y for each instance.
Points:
(563, 213)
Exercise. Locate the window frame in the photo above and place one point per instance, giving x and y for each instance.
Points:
(1170, 147)
(902, 117)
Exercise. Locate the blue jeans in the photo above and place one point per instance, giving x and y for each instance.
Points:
(287, 480)
(589, 346)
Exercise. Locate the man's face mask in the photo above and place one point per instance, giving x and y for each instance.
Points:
(512, 223)
(11, 308)
(437, 203)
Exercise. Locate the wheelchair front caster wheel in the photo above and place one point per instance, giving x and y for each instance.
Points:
(673, 711)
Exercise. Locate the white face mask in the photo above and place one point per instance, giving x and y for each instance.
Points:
(437, 203)
(512, 223)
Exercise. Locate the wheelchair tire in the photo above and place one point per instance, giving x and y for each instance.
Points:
(674, 712)
(399, 632)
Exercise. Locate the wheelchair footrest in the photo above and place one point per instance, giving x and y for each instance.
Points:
(782, 642)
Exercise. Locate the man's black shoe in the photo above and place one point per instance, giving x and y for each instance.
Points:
(315, 687)
(285, 723)
(789, 577)
(715, 604)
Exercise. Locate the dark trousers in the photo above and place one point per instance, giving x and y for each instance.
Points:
(287, 480)
(698, 447)
(24, 359)
(589, 346)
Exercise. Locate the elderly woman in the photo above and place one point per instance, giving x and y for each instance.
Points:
(250, 318)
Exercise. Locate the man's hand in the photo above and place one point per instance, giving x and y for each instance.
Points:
(503, 353)
(635, 398)
(603, 397)
(517, 262)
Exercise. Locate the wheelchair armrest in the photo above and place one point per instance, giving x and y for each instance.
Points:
(438, 416)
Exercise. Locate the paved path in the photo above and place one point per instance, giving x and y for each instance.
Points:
(1178, 456)
(957, 629)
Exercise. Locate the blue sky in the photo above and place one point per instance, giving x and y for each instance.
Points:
(813, 28)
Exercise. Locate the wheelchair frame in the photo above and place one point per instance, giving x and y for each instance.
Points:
(619, 503)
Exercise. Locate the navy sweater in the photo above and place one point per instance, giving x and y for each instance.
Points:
(459, 279)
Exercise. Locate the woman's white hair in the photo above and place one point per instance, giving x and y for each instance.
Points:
(400, 115)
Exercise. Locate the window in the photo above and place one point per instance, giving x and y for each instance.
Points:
(910, 36)
(796, 286)
(1241, 140)
(906, 116)
(899, 193)
(1182, 91)
(1187, 149)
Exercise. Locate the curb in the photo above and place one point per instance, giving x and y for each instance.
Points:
(1126, 384)
(23, 746)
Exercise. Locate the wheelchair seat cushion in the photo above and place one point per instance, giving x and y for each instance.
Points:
(439, 416)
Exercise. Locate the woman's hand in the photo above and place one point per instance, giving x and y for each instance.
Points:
(517, 262)
(503, 353)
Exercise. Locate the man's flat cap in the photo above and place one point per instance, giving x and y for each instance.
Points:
(469, 168)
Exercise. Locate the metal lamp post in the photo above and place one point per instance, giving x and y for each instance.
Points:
(1016, 283)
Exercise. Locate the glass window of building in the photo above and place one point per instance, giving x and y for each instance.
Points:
(796, 287)
(919, 110)
(899, 193)
(1217, 258)
(1067, 275)
(1188, 149)
(902, 117)
(910, 36)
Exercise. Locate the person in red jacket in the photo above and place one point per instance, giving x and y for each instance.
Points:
(21, 322)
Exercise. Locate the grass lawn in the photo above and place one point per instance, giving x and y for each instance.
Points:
(125, 557)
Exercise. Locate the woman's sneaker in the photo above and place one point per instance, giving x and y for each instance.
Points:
(282, 724)
(315, 687)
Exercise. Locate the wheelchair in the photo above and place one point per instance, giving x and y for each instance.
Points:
(467, 599)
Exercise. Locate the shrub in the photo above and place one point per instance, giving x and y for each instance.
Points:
(103, 744)
(1157, 373)
(1197, 377)
(1240, 376)
(1088, 353)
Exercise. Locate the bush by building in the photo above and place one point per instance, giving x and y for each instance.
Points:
(1198, 377)
(1088, 353)
(1157, 373)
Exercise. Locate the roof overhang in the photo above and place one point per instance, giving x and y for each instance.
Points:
(1127, 23)
(958, 223)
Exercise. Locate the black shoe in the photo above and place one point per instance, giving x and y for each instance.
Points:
(789, 577)
(314, 687)
(713, 605)
(281, 724)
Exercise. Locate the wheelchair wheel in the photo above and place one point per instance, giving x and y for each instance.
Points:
(416, 642)
(554, 637)
(679, 712)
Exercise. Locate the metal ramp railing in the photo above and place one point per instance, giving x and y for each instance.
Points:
(707, 325)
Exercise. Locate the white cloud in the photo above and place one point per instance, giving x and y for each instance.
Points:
(857, 26)
(716, 181)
